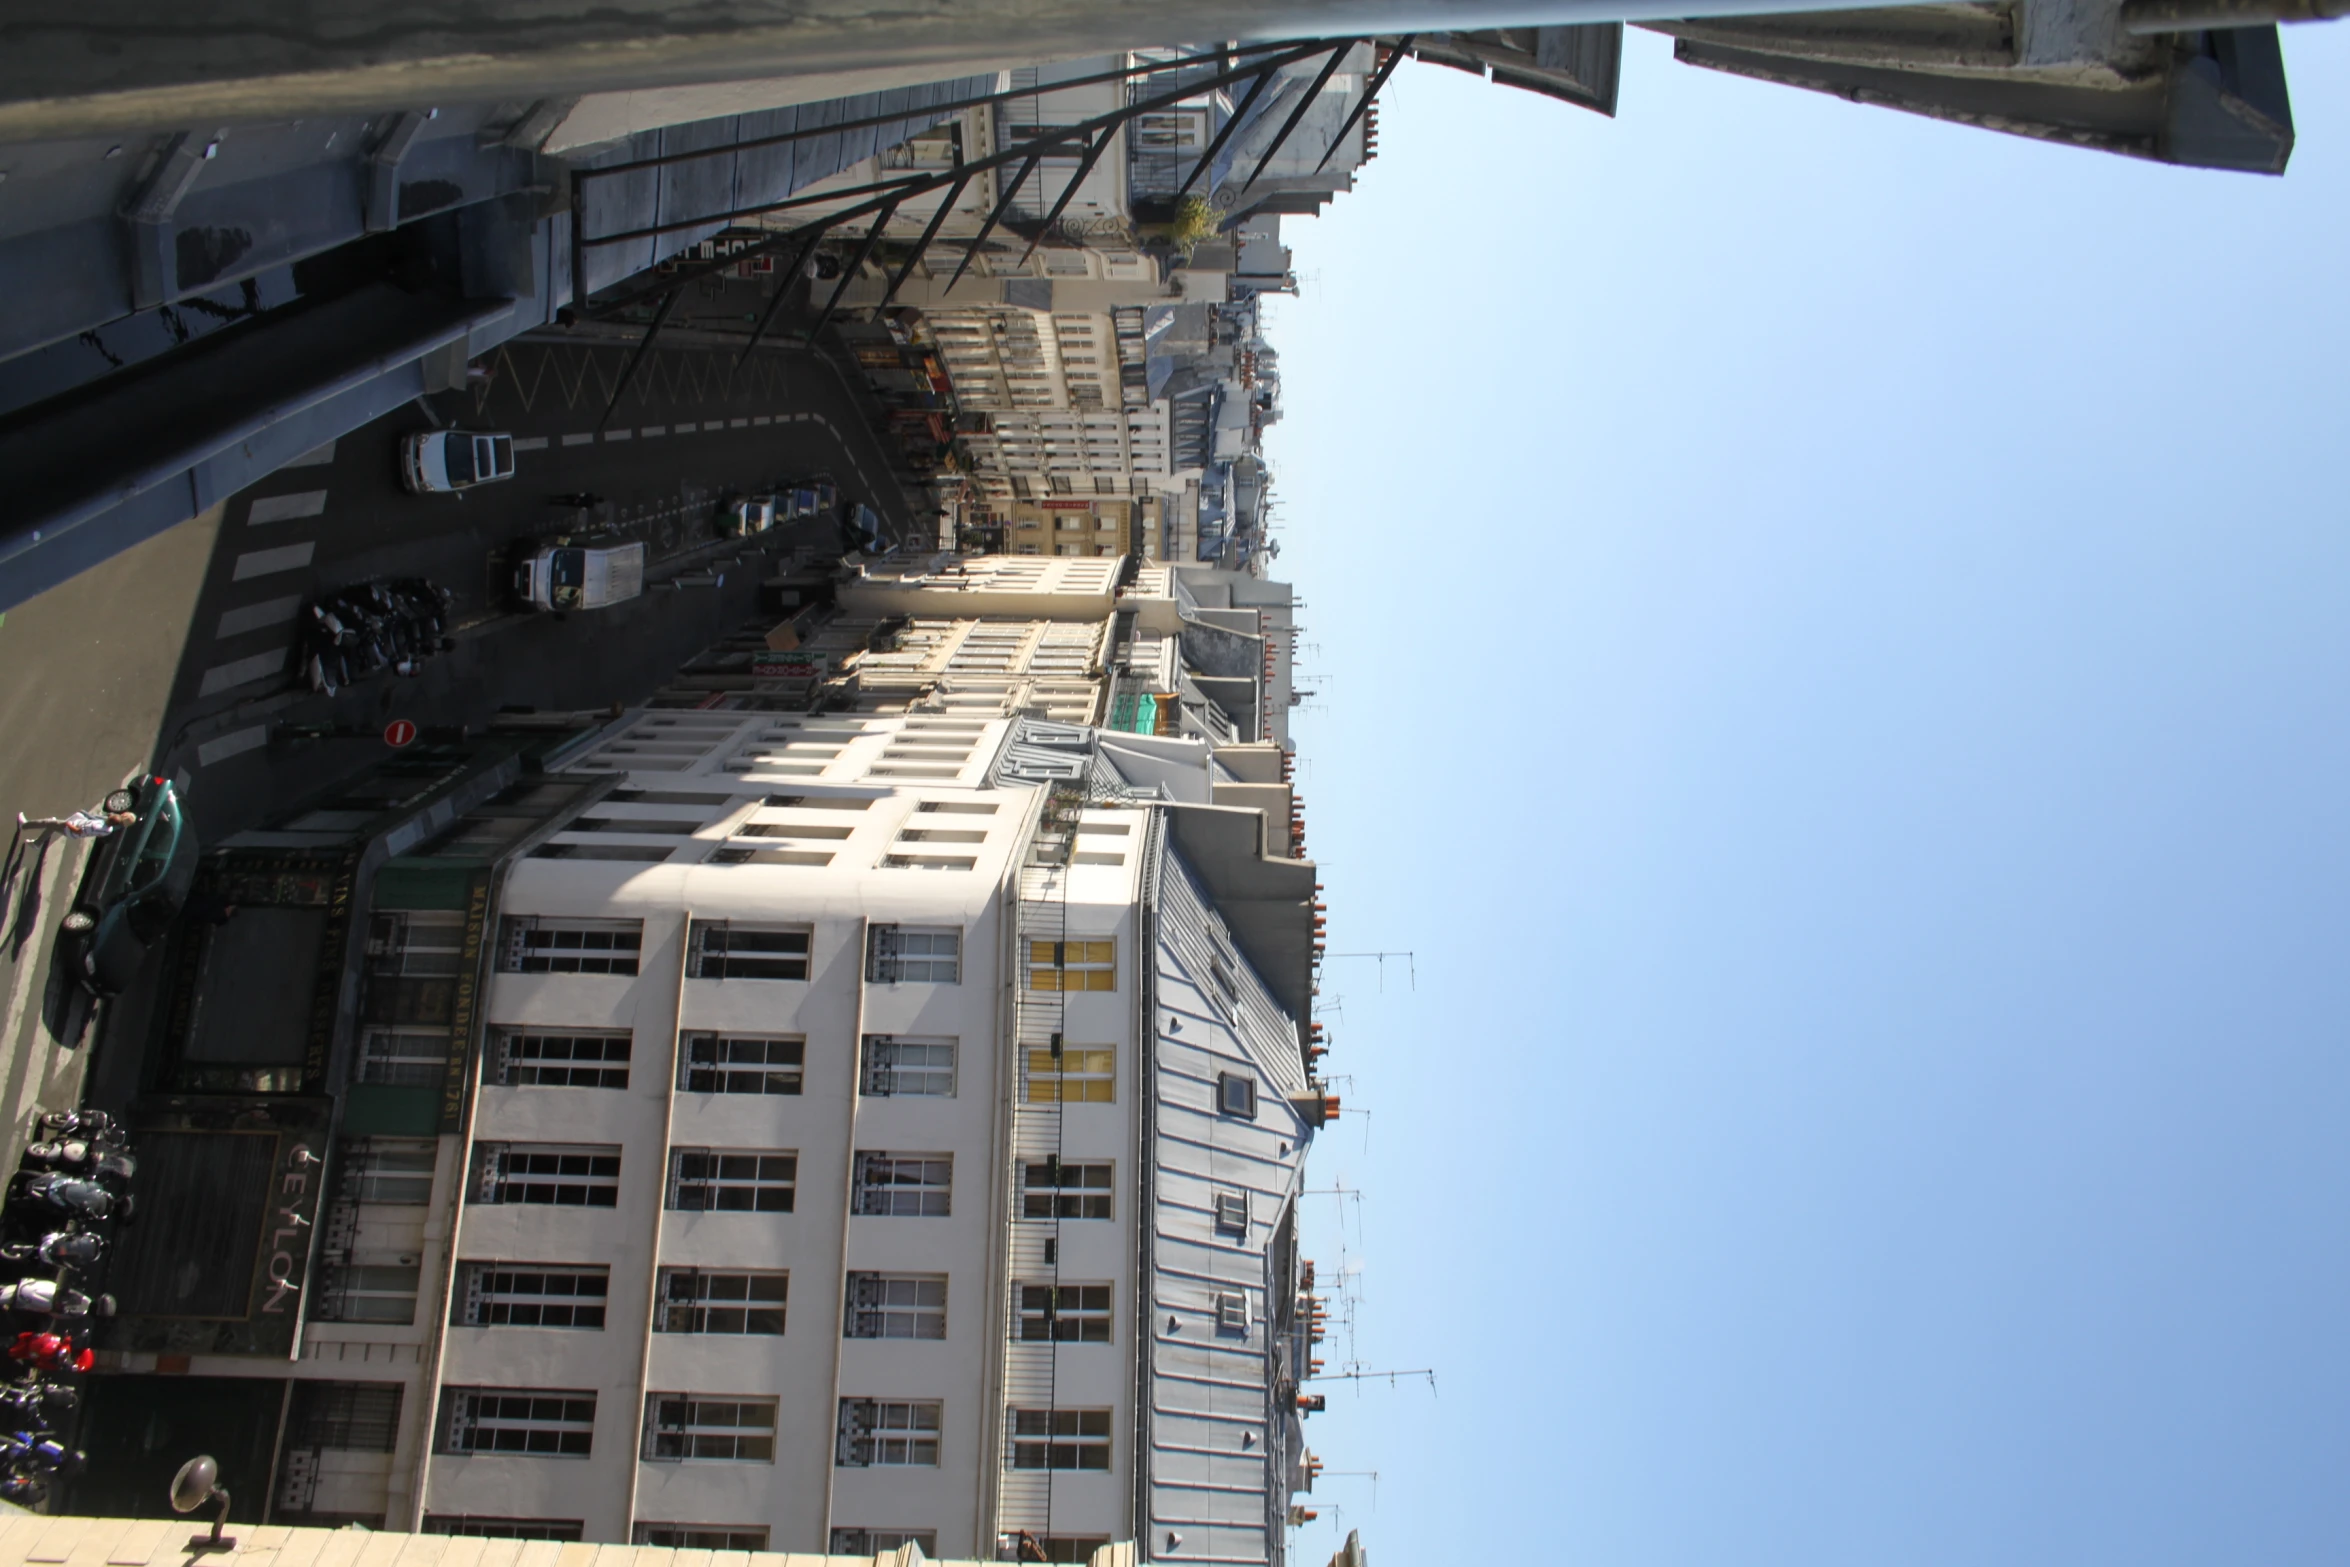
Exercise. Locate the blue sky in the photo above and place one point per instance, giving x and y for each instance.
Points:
(1831, 637)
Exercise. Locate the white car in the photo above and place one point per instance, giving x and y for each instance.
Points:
(753, 515)
(442, 460)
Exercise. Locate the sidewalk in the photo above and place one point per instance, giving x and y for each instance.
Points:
(89, 668)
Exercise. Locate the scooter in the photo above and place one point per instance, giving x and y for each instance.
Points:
(109, 1167)
(91, 1125)
(59, 1249)
(66, 1197)
(48, 1298)
(51, 1352)
(37, 1405)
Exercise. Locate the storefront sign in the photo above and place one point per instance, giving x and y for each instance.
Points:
(293, 1217)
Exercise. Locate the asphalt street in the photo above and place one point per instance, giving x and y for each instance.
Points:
(179, 657)
(690, 433)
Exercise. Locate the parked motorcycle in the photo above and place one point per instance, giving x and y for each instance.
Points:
(77, 1249)
(48, 1298)
(51, 1196)
(94, 1126)
(109, 1167)
(51, 1352)
(358, 632)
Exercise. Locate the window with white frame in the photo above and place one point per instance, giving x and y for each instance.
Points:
(908, 1066)
(369, 1292)
(558, 1058)
(535, 1423)
(1073, 1074)
(1062, 1314)
(896, 1305)
(549, 944)
(713, 1063)
(913, 955)
(1060, 1439)
(396, 1170)
(1073, 965)
(1232, 1212)
(1060, 1189)
(690, 1426)
(478, 1527)
(880, 1432)
(531, 1295)
(710, 1300)
(722, 949)
(548, 1174)
(404, 1057)
(905, 1184)
(701, 1536)
(732, 1180)
(1236, 1095)
(876, 1542)
(1232, 1311)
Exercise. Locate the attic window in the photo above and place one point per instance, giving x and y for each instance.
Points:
(1236, 1095)
(1232, 1212)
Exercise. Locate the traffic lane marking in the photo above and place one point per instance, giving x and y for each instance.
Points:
(235, 743)
(252, 617)
(264, 563)
(242, 672)
(284, 508)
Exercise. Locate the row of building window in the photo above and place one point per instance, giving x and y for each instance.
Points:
(708, 1536)
(890, 1065)
(755, 1302)
(701, 1427)
(766, 1180)
(724, 949)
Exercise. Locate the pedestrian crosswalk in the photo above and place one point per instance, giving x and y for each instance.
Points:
(284, 508)
(301, 504)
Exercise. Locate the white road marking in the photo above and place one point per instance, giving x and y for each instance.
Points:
(235, 743)
(760, 419)
(282, 508)
(315, 458)
(685, 428)
(740, 424)
(530, 443)
(262, 563)
(252, 617)
(651, 430)
(619, 435)
(242, 672)
(577, 440)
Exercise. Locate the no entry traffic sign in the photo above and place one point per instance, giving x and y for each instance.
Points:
(399, 732)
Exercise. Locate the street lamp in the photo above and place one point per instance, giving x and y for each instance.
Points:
(198, 1482)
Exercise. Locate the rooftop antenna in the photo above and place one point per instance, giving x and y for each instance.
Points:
(1409, 959)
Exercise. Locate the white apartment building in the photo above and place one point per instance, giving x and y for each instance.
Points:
(889, 1093)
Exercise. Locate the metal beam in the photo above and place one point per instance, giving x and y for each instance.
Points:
(1298, 114)
(783, 288)
(644, 345)
(929, 233)
(1031, 151)
(855, 265)
(1256, 90)
(951, 106)
(1101, 143)
(1378, 80)
(1002, 206)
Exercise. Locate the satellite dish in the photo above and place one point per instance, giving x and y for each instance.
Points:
(193, 1486)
